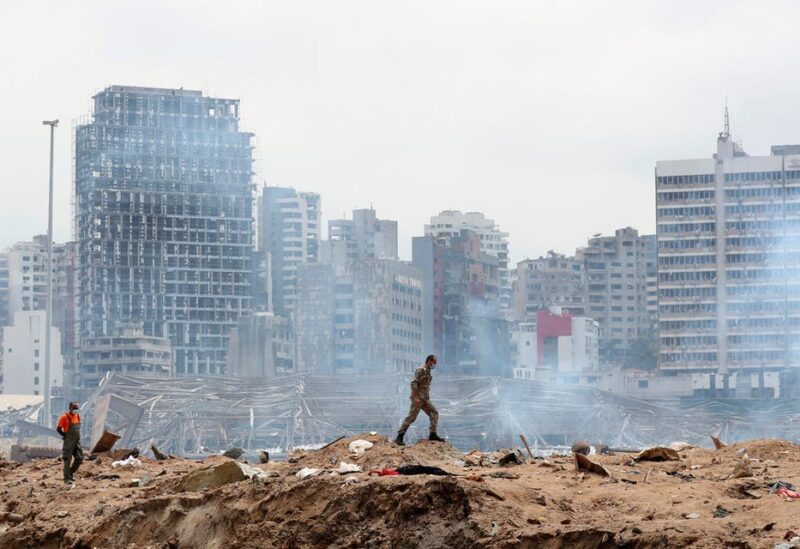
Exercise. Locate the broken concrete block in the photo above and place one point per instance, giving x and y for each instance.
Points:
(743, 469)
(211, 477)
(583, 463)
(233, 453)
(160, 456)
(106, 442)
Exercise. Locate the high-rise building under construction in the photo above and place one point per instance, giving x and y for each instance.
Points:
(163, 220)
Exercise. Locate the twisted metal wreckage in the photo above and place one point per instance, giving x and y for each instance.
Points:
(196, 415)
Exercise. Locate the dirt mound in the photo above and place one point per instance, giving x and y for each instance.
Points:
(693, 502)
(765, 449)
(383, 453)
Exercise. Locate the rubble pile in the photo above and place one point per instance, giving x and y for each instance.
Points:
(422, 495)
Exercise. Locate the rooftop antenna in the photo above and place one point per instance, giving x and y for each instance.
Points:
(727, 131)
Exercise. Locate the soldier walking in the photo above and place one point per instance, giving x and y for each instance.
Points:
(421, 400)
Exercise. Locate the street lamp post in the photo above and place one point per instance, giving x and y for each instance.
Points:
(49, 310)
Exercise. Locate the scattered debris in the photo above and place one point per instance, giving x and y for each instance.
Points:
(743, 469)
(718, 444)
(106, 477)
(128, 463)
(721, 512)
(681, 475)
(787, 494)
(252, 472)
(263, 456)
(775, 486)
(211, 477)
(308, 472)
(345, 468)
(422, 470)
(334, 441)
(680, 446)
(142, 482)
(659, 453)
(743, 490)
(583, 463)
(358, 447)
(514, 457)
(528, 448)
(106, 442)
(385, 472)
(350, 480)
(160, 456)
(581, 447)
(501, 474)
(474, 458)
(11, 517)
(233, 453)
(691, 516)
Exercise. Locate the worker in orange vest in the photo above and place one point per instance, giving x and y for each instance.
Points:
(69, 427)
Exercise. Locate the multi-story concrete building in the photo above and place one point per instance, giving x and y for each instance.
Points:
(289, 224)
(728, 266)
(493, 241)
(4, 291)
(616, 291)
(23, 355)
(127, 351)
(552, 281)
(363, 237)
(462, 305)
(261, 345)
(163, 220)
(557, 346)
(25, 275)
(365, 316)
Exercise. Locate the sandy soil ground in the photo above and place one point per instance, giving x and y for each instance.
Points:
(693, 502)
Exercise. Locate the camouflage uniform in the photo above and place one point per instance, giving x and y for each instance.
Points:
(421, 399)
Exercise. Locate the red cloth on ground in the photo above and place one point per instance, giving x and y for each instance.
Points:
(785, 493)
(383, 472)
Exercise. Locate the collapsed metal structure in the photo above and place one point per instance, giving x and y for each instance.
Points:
(198, 415)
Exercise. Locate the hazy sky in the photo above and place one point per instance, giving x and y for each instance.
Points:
(546, 116)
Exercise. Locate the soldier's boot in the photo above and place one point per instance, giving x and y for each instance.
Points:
(436, 438)
(399, 438)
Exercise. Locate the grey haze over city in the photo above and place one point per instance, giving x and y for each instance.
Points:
(548, 117)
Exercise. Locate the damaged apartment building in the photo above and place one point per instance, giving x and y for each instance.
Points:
(360, 309)
(464, 317)
(163, 222)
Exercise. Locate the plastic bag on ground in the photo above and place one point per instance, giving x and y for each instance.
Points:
(345, 468)
(130, 462)
(307, 472)
(358, 447)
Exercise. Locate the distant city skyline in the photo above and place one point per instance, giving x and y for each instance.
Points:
(547, 118)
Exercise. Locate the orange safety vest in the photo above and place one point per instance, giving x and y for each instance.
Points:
(67, 419)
